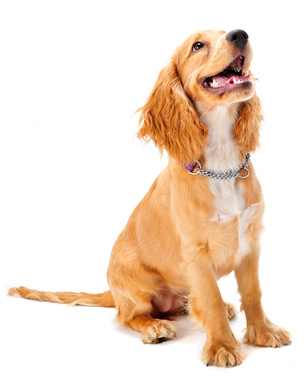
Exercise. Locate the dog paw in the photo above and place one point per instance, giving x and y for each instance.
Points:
(159, 331)
(267, 335)
(222, 356)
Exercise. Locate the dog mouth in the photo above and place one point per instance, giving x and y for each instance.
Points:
(229, 79)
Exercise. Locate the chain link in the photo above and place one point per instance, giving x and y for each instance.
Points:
(226, 175)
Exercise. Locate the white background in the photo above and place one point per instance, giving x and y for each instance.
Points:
(72, 73)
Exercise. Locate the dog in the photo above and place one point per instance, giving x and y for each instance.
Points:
(202, 217)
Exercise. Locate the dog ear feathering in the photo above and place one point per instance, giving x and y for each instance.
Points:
(170, 120)
(247, 127)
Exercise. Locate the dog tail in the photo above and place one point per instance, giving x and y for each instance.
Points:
(88, 299)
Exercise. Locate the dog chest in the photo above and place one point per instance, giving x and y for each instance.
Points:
(230, 206)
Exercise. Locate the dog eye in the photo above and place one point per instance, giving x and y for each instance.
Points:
(197, 46)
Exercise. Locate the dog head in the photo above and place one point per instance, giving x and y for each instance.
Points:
(209, 69)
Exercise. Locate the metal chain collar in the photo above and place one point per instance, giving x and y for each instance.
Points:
(228, 174)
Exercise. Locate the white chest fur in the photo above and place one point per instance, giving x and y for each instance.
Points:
(222, 154)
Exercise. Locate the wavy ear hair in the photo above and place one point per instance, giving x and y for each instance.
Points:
(247, 127)
(169, 119)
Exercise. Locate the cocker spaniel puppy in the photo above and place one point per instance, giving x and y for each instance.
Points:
(202, 217)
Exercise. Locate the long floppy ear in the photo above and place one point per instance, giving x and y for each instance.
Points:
(169, 119)
(247, 126)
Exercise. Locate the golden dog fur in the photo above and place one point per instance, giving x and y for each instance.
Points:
(177, 242)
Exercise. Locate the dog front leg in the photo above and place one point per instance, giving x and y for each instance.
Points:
(210, 311)
(260, 330)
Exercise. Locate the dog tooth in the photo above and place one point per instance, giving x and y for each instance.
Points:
(214, 84)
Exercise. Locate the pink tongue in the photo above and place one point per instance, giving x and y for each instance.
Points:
(228, 78)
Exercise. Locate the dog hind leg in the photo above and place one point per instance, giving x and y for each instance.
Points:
(153, 330)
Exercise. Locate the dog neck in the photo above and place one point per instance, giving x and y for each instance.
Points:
(221, 152)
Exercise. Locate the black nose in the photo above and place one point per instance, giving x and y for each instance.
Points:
(238, 38)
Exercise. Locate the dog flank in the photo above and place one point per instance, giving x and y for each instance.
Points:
(190, 230)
